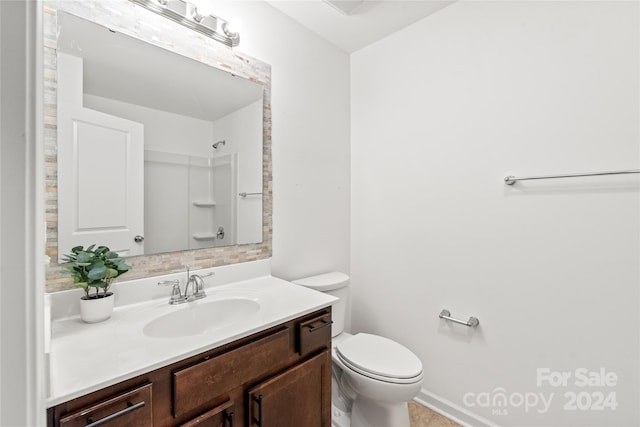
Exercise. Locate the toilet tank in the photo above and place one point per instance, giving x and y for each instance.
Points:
(335, 284)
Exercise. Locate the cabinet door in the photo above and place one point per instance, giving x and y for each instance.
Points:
(132, 409)
(300, 396)
(220, 416)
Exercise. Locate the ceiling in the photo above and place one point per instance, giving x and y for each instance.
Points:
(369, 21)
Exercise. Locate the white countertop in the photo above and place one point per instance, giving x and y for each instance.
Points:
(87, 357)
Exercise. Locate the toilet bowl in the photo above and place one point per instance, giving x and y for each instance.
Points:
(381, 376)
(373, 376)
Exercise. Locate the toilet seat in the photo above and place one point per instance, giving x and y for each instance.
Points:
(380, 358)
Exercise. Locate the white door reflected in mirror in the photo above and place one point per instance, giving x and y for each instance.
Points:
(100, 180)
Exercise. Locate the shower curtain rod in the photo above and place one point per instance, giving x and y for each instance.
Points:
(510, 180)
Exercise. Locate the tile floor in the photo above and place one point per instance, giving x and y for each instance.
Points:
(421, 416)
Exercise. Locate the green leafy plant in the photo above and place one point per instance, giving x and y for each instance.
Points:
(94, 268)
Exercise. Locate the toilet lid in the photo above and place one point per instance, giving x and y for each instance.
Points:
(379, 357)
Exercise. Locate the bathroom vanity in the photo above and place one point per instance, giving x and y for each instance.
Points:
(271, 367)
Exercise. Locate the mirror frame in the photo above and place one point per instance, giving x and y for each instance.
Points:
(126, 17)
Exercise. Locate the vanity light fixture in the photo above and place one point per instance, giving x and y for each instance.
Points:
(193, 17)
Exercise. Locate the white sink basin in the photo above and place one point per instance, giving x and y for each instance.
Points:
(194, 318)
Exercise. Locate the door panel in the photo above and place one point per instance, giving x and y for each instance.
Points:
(100, 180)
(300, 396)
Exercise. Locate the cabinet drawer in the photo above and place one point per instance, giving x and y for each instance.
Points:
(314, 334)
(220, 416)
(208, 380)
(132, 409)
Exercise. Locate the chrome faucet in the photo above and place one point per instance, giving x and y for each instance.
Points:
(194, 282)
(176, 294)
(197, 288)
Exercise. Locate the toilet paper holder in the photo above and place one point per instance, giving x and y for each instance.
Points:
(473, 322)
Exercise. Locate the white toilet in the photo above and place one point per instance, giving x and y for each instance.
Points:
(373, 376)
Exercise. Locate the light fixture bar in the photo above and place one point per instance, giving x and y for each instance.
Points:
(187, 14)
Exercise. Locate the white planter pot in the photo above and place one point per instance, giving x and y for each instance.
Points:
(98, 309)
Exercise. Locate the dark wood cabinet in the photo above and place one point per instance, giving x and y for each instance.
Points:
(132, 408)
(220, 416)
(300, 396)
(314, 333)
(281, 376)
(198, 384)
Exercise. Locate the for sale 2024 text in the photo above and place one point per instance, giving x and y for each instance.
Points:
(590, 396)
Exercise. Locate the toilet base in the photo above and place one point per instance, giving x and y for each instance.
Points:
(370, 413)
(340, 418)
(389, 416)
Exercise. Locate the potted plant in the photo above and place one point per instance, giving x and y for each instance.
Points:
(95, 268)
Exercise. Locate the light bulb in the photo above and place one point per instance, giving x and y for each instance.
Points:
(204, 7)
(232, 27)
(235, 26)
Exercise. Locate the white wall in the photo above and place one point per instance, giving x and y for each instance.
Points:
(21, 219)
(441, 112)
(310, 107)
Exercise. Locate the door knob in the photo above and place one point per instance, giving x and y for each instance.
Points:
(138, 239)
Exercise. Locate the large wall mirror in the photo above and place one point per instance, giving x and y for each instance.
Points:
(161, 139)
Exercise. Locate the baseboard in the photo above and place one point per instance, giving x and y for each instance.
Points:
(452, 411)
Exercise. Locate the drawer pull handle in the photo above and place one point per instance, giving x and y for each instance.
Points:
(258, 421)
(229, 418)
(313, 328)
(130, 408)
